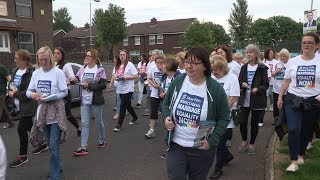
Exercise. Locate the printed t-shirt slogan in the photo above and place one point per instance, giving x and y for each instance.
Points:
(188, 110)
(88, 77)
(280, 75)
(306, 76)
(250, 78)
(44, 86)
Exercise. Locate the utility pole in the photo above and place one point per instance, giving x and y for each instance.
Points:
(90, 29)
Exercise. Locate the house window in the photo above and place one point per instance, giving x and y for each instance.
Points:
(125, 41)
(83, 42)
(152, 39)
(137, 40)
(159, 39)
(23, 8)
(26, 41)
(92, 41)
(4, 41)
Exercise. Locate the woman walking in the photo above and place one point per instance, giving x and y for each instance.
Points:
(59, 56)
(26, 107)
(253, 80)
(302, 84)
(126, 73)
(92, 77)
(193, 105)
(48, 86)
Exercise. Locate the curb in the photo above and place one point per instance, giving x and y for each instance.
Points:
(269, 166)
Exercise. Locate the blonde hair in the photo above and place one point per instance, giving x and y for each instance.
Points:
(94, 55)
(46, 49)
(285, 52)
(255, 49)
(181, 55)
(220, 63)
(239, 55)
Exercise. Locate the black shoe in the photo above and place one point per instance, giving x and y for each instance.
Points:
(41, 148)
(216, 174)
(228, 159)
(19, 161)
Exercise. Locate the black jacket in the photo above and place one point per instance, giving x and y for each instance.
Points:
(260, 81)
(27, 106)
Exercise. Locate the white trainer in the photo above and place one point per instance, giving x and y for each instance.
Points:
(292, 168)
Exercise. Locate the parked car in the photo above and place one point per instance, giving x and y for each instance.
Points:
(74, 88)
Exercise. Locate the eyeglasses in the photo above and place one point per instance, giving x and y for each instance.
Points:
(308, 43)
(192, 63)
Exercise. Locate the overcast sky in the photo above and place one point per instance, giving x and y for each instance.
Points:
(216, 11)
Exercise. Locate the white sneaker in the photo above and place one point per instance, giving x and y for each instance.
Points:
(300, 160)
(292, 168)
(271, 108)
(260, 124)
(150, 134)
(309, 146)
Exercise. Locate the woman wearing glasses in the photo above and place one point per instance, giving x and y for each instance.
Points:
(92, 77)
(302, 83)
(196, 114)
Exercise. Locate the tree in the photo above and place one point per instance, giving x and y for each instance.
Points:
(219, 35)
(61, 20)
(111, 26)
(277, 32)
(239, 22)
(198, 34)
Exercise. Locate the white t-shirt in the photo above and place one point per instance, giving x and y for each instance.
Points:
(68, 72)
(155, 75)
(250, 74)
(230, 84)
(48, 83)
(304, 75)
(142, 67)
(167, 83)
(16, 84)
(190, 107)
(279, 77)
(271, 65)
(234, 67)
(182, 70)
(124, 87)
(115, 83)
(3, 160)
(317, 54)
(89, 74)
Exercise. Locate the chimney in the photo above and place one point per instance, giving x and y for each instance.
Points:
(153, 21)
(86, 26)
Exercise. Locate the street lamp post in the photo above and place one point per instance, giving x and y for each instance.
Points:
(90, 30)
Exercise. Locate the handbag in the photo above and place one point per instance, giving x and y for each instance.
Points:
(281, 127)
(235, 114)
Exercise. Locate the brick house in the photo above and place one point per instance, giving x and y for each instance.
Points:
(162, 35)
(58, 38)
(141, 37)
(24, 24)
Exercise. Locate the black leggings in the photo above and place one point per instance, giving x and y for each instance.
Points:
(25, 125)
(256, 116)
(126, 105)
(70, 118)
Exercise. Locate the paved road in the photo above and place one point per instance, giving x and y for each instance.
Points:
(128, 155)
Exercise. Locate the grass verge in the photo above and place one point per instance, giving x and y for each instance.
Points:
(310, 170)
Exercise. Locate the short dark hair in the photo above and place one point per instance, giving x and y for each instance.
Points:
(312, 34)
(266, 53)
(171, 64)
(227, 50)
(203, 56)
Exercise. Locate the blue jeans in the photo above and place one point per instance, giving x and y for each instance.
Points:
(192, 162)
(300, 126)
(222, 150)
(85, 118)
(118, 102)
(52, 133)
